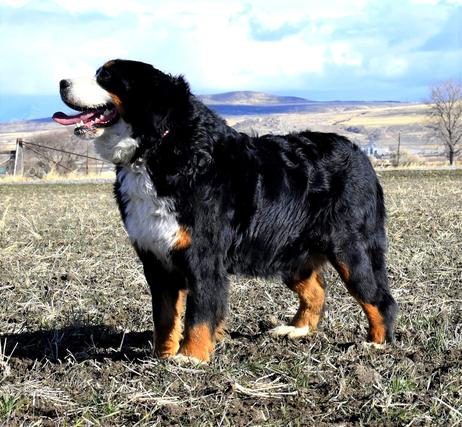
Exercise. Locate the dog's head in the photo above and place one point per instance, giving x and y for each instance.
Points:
(125, 100)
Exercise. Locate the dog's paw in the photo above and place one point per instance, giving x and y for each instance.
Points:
(299, 332)
(291, 332)
(369, 344)
(183, 360)
(281, 331)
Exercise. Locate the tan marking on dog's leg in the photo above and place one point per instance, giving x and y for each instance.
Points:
(198, 343)
(343, 271)
(312, 297)
(377, 327)
(167, 335)
(183, 239)
(377, 330)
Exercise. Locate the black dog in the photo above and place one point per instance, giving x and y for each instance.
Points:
(200, 200)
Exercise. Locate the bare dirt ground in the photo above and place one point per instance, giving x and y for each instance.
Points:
(76, 330)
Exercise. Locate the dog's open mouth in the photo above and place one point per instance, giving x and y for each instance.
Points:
(90, 119)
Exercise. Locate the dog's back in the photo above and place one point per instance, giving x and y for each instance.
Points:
(285, 199)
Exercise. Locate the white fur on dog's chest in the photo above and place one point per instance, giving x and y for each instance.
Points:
(150, 220)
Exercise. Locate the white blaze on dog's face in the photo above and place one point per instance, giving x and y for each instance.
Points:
(85, 92)
(100, 119)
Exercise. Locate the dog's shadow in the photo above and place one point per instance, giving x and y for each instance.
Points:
(78, 343)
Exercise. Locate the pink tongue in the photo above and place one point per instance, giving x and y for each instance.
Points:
(66, 120)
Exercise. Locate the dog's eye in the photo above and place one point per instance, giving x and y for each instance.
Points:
(102, 74)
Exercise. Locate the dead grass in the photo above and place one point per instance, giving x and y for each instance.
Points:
(390, 120)
(55, 176)
(76, 325)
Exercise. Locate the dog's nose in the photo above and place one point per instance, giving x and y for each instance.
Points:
(64, 84)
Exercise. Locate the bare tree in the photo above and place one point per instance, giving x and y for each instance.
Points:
(446, 113)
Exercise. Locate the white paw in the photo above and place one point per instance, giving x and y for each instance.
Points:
(367, 344)
(182, 360)
(281, 331)
(291, 332)
(299, 332)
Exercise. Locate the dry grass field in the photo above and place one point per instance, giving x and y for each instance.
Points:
(75, 322)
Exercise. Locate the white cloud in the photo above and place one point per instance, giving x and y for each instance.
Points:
(388, 66)
(433, 2)
(110, 8)
(218, 45)
(436, 2)
(15, 3)
(343, 53)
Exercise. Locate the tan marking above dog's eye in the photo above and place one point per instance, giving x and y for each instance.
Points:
(109, 64)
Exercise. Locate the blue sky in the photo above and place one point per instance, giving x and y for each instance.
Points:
(322, 50)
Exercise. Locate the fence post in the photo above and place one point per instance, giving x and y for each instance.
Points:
(19, 158)
(86, 164)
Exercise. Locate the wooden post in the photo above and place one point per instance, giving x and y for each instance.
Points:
(399, 147)
(15, 159)
(86, 165)
(22, 157)
(19, 158)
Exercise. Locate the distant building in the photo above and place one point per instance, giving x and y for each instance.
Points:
(371, 149)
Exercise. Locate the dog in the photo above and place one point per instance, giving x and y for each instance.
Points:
(200, 201)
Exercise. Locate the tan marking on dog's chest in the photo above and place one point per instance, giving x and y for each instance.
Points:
(183, 240)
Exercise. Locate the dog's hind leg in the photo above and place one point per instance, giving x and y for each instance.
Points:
(311, 292)
(363, 270)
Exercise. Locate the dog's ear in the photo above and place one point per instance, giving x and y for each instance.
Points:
(178, 98)
(182, 85)
(180, 91)
(166, 103)
(166, 91)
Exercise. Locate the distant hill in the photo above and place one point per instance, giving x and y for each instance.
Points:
(250, 98)
(39, 108)
(377, 124)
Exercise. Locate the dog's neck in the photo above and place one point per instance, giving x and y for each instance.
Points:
(118, 145)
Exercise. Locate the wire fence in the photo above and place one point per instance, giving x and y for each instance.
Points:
(15, 162)
(27, 143)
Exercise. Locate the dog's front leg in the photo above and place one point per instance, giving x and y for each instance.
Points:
(168, 296)
(206, 307)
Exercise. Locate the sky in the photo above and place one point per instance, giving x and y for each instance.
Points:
(321, 50)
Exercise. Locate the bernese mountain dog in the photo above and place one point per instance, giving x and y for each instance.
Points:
(200, 200)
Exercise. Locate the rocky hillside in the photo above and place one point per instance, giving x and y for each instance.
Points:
(250, 98)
